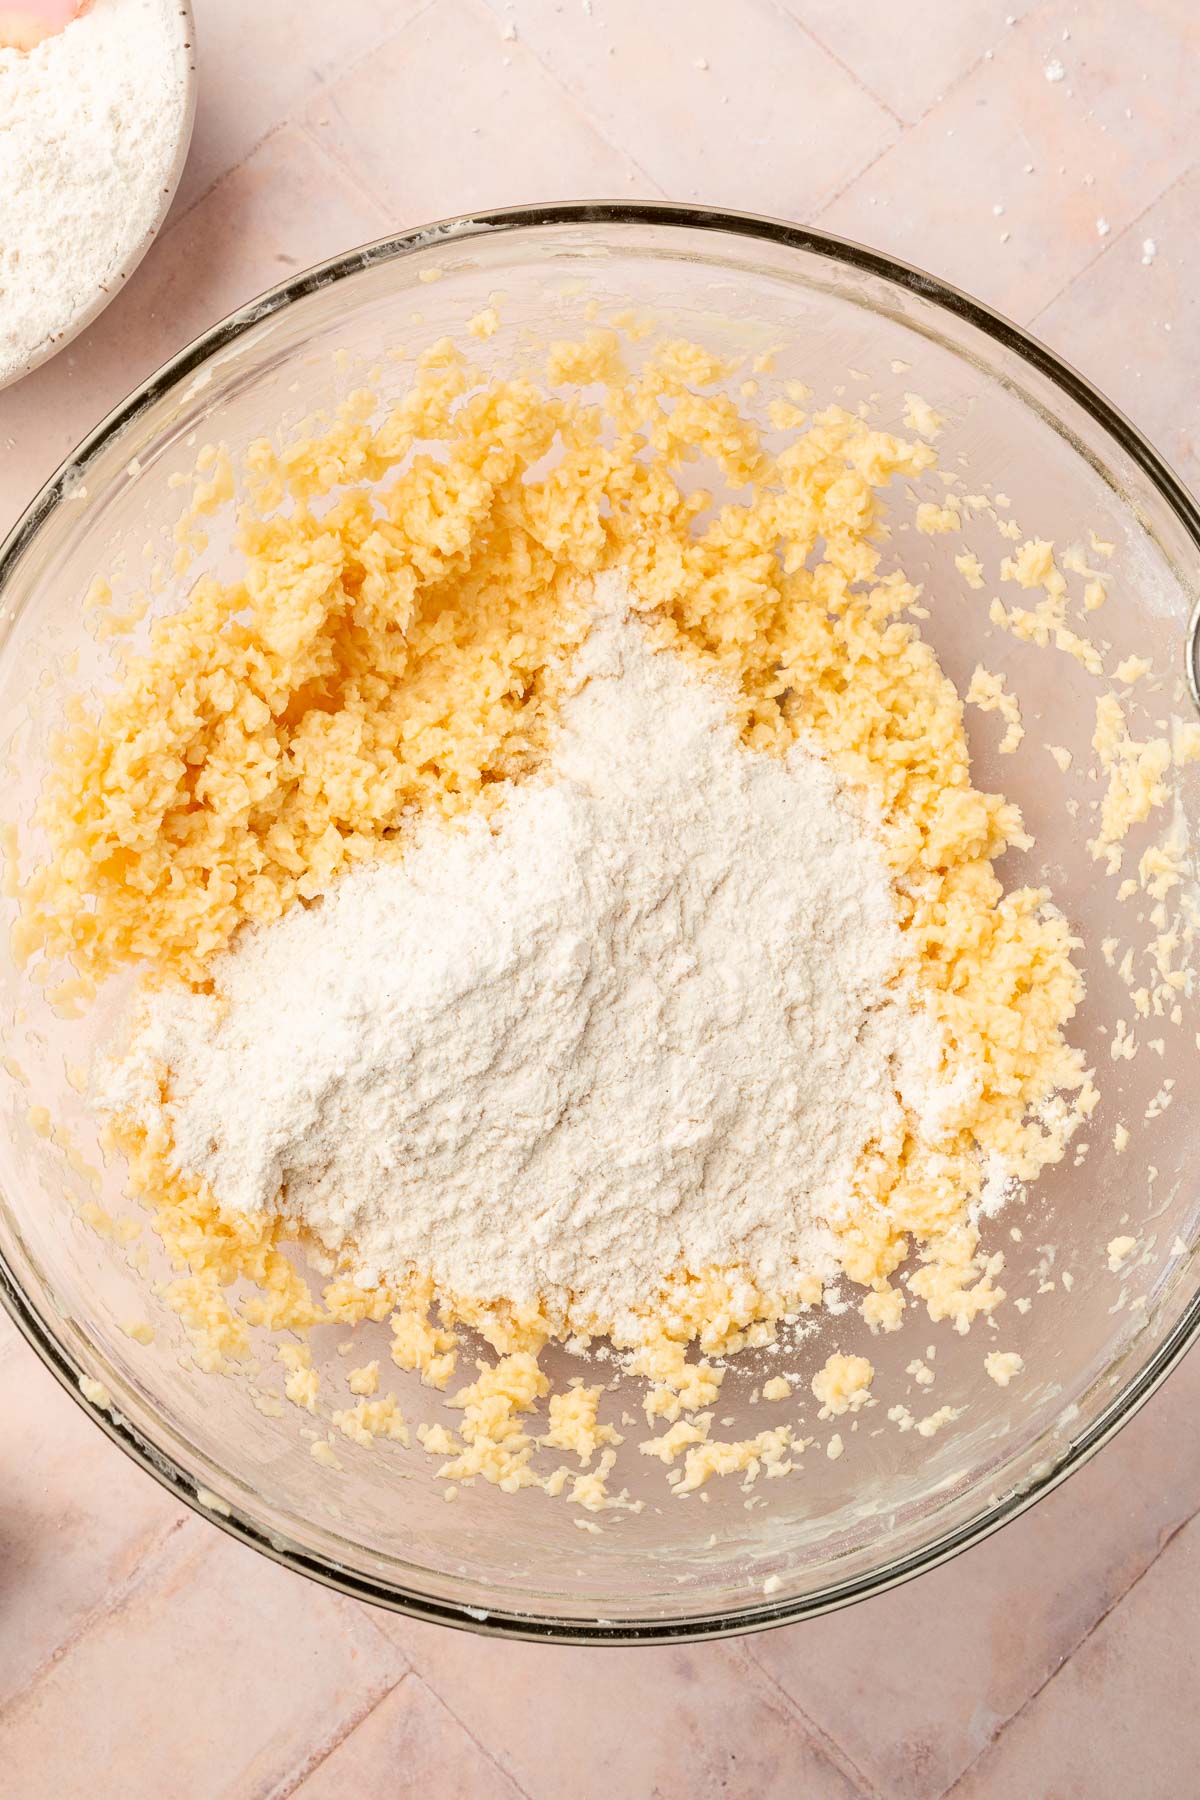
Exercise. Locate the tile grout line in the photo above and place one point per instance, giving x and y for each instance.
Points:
(112, 1602)
(1002, 1731)
(483, 1749)
(964, 75)
(863, 86)
(906, 126)
(834, 1753)
(859, 175)
(289, 118)
(428, 1683)
(329, 153)
(584, 112)
(1107, 246)
(345, 1730)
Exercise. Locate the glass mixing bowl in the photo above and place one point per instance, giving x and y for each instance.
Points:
(848, 322)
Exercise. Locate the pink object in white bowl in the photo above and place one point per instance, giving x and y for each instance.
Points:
(23, 26)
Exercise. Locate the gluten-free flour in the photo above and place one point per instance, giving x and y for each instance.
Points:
(90, 124)
(644, 1021)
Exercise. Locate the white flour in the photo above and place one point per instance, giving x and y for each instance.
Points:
(644, 1024)
(89, 123)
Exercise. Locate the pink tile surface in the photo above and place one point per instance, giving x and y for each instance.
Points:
(501, 128)
(63, 1557)
(734, 105)
(410, 1743)
(1059, 157)
(1149, 368)
(211, 1672)
(257, 66)
(668, 1722)
(143, 1653)
(1120, 1717)
(910, 56)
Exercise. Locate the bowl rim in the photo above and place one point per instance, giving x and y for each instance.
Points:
(510, 1622)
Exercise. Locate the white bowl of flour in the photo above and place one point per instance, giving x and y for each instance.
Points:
(94, 130)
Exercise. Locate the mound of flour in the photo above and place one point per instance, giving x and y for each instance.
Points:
(643, 1022)
(89, 126)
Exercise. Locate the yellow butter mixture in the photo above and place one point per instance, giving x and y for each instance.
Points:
(412, 587)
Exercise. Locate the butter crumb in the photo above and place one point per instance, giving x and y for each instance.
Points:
(370, 1419)
(683, 1434)
(883, 1309)
(987, 692)
(933, 519)
(1119, 1251)
(301, 1382)
(843, 1385)
(435, 1440)
(419, 1344)
(364, 1381)
(1185, 744)
(1135, 770)
(920, 417)
(970, 568)
(932, 1424)
(574, 1424)
(768, 1451)
(1003, 1365)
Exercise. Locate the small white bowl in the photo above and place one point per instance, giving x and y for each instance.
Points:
(82, 317)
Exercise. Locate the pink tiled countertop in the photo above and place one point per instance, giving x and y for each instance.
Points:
(143, 1653)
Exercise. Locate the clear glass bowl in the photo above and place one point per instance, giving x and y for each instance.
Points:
(895, 1503)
